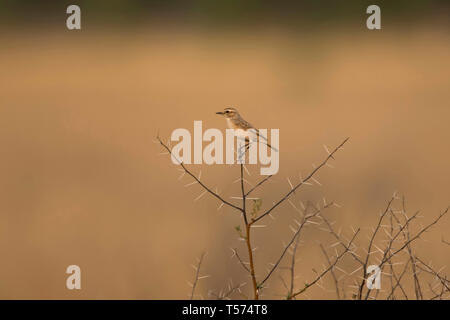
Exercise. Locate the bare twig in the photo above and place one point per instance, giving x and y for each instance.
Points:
(398, 280)
(427, 268)
(389, 253)
(417, 286)
(248, 239)
(296, 234)
(197, 274)
(197, 179)
(240, 260)
(331, 266)
(225, 294)
(333, 275)
(366, 261)
(292, 267)
(258, 184)
(338, 238)
(424, 229)
(330, 156)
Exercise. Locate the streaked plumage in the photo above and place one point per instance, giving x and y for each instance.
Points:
(235, 121)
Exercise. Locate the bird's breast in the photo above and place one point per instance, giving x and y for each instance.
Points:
(231, 124)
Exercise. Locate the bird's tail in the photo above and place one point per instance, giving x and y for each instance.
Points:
(264, 140)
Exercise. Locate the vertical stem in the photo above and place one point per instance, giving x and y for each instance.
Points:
(244, 211)
(247, 238)
(197, 273)
(252, 266)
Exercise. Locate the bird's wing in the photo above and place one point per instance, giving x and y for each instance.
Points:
(244, 124)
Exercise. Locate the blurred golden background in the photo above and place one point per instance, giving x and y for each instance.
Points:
(83, 183)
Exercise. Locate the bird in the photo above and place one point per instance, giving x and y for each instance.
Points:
(235, 121)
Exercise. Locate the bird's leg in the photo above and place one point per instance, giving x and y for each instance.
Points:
(247, 144)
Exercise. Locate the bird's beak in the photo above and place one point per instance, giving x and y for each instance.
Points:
(220, 112)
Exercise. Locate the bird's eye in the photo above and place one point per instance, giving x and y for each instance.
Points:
(227, 111)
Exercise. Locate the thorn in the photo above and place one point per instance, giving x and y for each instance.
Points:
(190, 184)
(201, 195)
(316, 181)
(381, 251)
(246, 170)
(326, 149)
(292, 187)
(292, 204)
(340, 269)
(334, 244)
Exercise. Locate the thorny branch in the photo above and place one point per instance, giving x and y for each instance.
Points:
(216, 195)
(389, 252)
(333, 274)
(296, 235)
(330, 156)
(324, 272)
(243, 210)
(197, 274)
(391, 249)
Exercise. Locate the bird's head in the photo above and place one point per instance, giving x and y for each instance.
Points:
(228, 112)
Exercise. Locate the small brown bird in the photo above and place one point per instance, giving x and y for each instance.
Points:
(235, 121)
